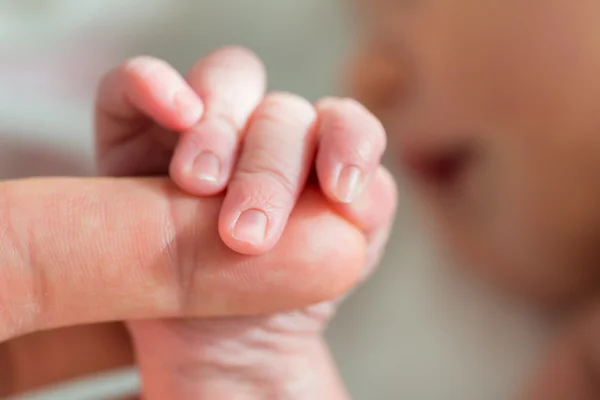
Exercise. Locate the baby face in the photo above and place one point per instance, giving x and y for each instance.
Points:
(493, 108)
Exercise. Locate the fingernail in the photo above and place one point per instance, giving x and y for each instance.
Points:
(348, 185)
(188, 105)
(251, 227)
(207, 167)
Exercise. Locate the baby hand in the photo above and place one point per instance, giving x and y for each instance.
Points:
(260, 149)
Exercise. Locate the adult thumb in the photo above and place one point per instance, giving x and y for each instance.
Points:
(75, 251)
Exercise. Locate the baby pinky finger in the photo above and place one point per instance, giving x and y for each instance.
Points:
(351, 144)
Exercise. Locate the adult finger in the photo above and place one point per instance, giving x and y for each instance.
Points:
(231, 82)
(76, 251)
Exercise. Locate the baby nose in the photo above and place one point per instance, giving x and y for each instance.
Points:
(375, 79)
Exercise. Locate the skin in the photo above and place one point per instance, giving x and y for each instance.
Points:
(212, 312)
(42, 292)
(514, 85)
(284, 137)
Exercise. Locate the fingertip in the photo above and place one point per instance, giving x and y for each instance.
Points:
(277, 156)
(319, 257)
(247, 232)
(197, 171)
(188, 179)
(204, 157)
(352, 142)
(247, 226)
(231, 81)
(159, 90)
(226, 58)
(376, 206)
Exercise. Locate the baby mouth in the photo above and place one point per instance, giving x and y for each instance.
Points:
(441, 170)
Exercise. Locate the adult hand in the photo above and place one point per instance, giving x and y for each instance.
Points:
(262, 149)
(82, 251)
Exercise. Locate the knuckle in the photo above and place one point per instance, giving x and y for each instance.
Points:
(342, 104)
(356, 148)
(350, 104)
(229, 122)
(227, 72)
(172, 244)
(145, 66)
(273, 161)
(179, 257)
(368, 148)
(287, 109)
(234, 56)
(359, 133)
(231, 82)
(267, 181)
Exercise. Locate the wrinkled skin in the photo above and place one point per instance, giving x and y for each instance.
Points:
(503, 98)
(266, 146)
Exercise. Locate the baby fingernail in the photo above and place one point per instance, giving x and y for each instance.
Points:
(251, 227)
(188, 105)
(207, 167)
(348, 183)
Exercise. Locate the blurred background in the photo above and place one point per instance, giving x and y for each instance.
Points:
(417, 330)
